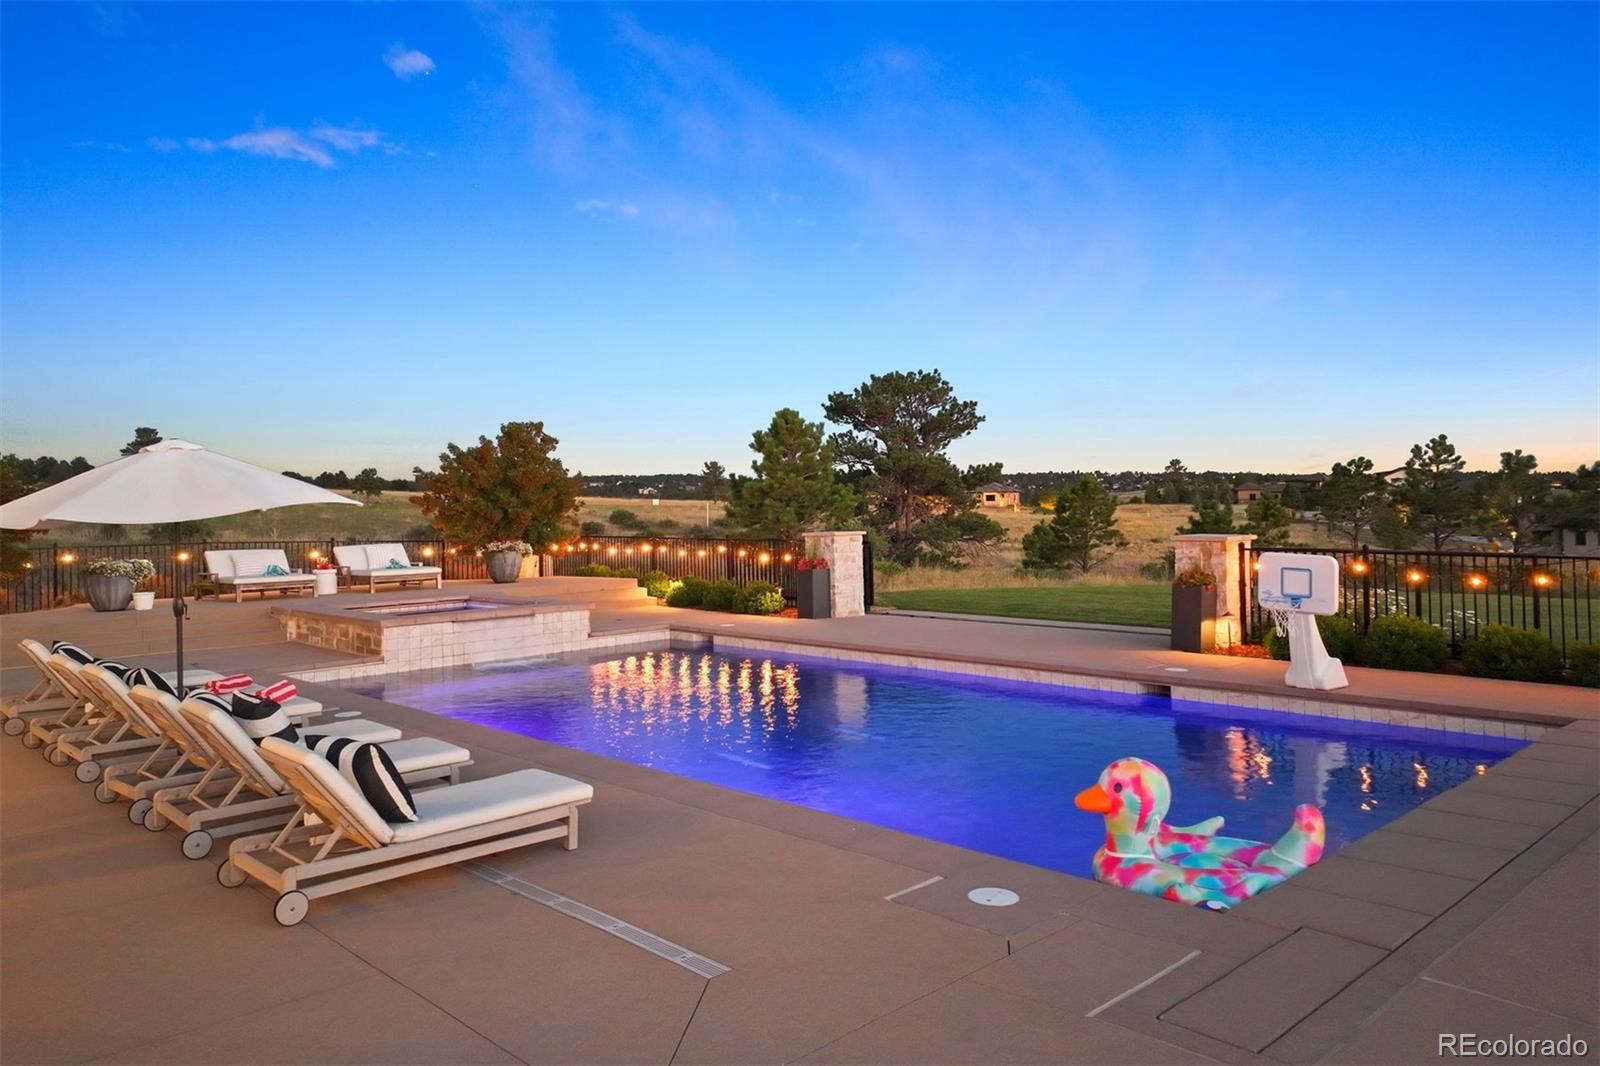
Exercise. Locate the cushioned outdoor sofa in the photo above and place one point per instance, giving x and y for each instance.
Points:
(254, 570)
(387, 563)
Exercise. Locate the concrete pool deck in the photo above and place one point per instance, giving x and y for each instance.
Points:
(1474, 913)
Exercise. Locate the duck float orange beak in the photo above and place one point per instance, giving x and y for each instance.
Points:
(1094, 799)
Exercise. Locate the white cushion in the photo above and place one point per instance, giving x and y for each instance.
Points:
(444, 810)
(378, 555)
(253, 562)
(352, 555)
(355, 729)
(219, 563)
(262, 580)
(410, 573)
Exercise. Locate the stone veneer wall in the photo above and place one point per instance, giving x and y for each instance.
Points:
(1219, 554)
(436, 645)
(846, 569)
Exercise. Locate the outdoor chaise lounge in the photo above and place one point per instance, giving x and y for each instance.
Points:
(46, 697)
(254, 570)
(386, 563)
(336, 840)
(85, 716)
(252, 796)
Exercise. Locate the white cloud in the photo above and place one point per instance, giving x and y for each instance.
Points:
(162, 144)
(607, 209)
(407, 63)
(280, 142)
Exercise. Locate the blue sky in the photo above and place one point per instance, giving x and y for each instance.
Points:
(1252, 236)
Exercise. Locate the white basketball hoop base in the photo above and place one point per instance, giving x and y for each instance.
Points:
(1310, 665)
(1295, 588)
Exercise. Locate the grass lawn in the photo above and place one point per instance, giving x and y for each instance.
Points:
(1139, 605)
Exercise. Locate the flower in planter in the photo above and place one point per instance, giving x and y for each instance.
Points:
(812, 562)
(1196, 577)
(137, 571)
(521, 547)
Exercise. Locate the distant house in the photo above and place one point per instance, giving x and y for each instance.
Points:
(998, 496)
(1392, 477)
(1578, 541)
(1251, 491)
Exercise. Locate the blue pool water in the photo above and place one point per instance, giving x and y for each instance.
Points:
(988, 765)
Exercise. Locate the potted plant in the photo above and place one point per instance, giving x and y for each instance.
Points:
(504, 559)
(813, 595)
(144, 593)
(109, 583)
(1194, 610)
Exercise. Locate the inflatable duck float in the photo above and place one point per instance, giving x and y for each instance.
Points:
(1189, 864)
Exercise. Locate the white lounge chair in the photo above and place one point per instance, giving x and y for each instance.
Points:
(374, 564)
(213, 777)
(45, 697)
(83, 718)
(245, 570)
(259, 798)
(336, 841)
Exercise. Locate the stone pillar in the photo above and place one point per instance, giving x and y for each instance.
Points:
(846, 557)
(1219, 554)
(533, 566)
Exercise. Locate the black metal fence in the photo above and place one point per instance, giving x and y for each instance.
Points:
(740, 560)
(53, 576)
(1460, 592)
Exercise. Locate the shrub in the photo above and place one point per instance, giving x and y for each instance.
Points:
(592, 529)
(626, 571)
(1511, 654)
(137, 571)
(1584, 660)
(657, 583)
(623, 518)
(719, 595)
(758, 597)
(422, 531)
(690, 592)
(1339, 636)
(1401, 642)
(593, 570)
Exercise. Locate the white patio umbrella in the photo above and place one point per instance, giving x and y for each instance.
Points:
(174, 481)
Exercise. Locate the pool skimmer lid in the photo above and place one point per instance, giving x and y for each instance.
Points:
(993, 897)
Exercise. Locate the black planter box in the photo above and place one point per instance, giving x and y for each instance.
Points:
(1194, 618)
(813, 595)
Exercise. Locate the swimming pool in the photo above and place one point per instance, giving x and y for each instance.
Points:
(989, 765)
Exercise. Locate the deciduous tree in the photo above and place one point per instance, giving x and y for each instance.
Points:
(367, 484)
(509, 488)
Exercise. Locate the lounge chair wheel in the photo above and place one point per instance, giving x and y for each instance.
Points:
(137, 813)
(229, 875)
(32, 740)
(154, 820)
(87, 771)
(291, 908)
(196, 844)
(56, 756)
(103, 793)
(15, 727)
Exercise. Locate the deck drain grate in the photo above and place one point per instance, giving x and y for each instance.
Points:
(640, 938)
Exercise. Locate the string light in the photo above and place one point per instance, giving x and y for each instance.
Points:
(722, 549)
(611, 550)
(427, 551)
(1359, 566)
(67, 558)
(1415, 576)
(763, 558)
(182, 557)
(682, 552)
(787, 556)
(313, 554)
(645, 549)
(1477, 581)
(700, 553)
(741, 553)
(1543, 580)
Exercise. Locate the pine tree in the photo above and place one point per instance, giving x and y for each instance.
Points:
(1082, 534)
(1351, 497)
(1436, 506)
(793, 489)
(143, 437)
(1268, 519)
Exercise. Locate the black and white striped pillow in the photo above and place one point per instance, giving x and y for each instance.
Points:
(71, 651)
(261, 718)
(211, 699)
(146, 676)
(120, 669)
(368, 767)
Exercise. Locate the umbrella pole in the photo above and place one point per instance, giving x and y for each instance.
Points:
(179, 611)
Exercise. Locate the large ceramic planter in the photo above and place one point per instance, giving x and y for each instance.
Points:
(813, 595)
(1194, 618)
(107, 592)
(504, 567)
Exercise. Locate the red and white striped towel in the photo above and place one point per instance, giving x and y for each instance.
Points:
(279, 693)
(232, 683)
